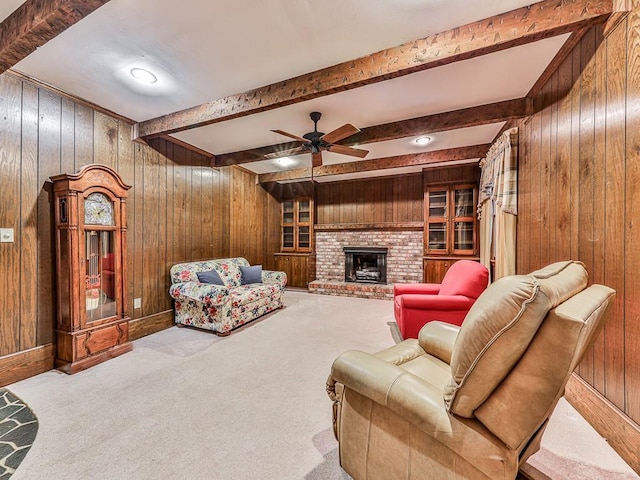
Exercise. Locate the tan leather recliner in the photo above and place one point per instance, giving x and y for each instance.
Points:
(468, 402)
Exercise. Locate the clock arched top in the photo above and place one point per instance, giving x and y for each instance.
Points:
(90, 176)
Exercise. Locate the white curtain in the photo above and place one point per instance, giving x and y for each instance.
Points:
(498, 205)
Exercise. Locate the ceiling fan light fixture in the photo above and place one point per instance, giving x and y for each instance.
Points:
(423, 140)
(143, 76)
(286, 161)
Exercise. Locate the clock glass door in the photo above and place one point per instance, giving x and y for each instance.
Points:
(99, 275)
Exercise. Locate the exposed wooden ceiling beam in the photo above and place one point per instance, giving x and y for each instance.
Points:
(517, 27)
(411, 160)
(439, 122)
(36, 22)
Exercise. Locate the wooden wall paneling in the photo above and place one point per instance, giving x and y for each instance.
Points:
(369, 200)
(10, 149)
(551, 177)
(418, 199)
(48, 164)
(599, 198)
(105, 139)
(586, 233)
(360, 216)
(632, 219)
(524, 198)
(179, 206)
(614, 267)
(196, 209)
(235, 239)
(545, 172)
(398, 208)
(136, 269)
(562, 173)
(388, 195)
(535, 231)
(150, 224)
(163, 281)
(208, 238)
(575, 148)
(83, 136)
(126, 169)
(225, 211)
(67, 136)
(28, 232)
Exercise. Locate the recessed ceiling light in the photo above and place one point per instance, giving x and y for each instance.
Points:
(422, 140)
(143, 76)
(286, 161)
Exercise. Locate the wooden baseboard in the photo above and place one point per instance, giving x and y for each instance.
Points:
(21, 365)
(141, 327)
(619, 430)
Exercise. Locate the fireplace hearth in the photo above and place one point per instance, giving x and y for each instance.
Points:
(365, 264)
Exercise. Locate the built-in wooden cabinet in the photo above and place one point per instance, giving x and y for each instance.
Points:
(450, 227)
(295, 265)
(297, 240)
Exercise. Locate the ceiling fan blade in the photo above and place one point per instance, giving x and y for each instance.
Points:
(291, 135)
(316, 159)
(344, 150)
(287, 153)
(339, 133)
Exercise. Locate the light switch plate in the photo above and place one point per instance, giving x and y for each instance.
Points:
(6, 235)
(137, 302)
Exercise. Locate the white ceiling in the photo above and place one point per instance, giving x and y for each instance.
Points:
(202, 50)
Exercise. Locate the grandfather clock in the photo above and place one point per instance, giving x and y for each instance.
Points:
(90, 239)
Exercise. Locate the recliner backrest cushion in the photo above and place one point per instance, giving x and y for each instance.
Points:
(499, 327)
(465, 277)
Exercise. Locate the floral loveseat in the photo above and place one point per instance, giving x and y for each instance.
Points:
(223, 307)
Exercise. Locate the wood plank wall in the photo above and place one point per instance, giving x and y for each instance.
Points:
(179, 208)
(579, 184)
(370, 201)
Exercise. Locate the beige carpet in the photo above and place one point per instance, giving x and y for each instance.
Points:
(186, 404)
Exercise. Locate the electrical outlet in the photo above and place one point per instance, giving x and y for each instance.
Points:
(137, 303)
(6, 235)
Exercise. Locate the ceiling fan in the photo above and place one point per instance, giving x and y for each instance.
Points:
(316, 141)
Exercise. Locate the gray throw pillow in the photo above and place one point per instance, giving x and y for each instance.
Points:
(210, 276)
(251, 274)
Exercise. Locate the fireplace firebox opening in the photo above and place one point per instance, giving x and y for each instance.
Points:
(365, 264)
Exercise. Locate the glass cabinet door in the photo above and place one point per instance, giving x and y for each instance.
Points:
(297, 225)
(450, 224)
(437, 220)
(463, 220)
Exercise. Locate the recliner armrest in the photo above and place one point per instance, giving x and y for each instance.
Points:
(437, 302)
(393, 387)
(421, 288)
(438, 338)
(206, 293)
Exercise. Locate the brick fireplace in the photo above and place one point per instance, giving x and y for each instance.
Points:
(403, 261)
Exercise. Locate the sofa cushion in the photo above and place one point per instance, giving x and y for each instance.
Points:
(210, 276)
(249, 275)
(247, 294)
(229, 270)
(499, 327)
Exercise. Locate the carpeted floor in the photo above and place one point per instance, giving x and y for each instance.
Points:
(186, 404)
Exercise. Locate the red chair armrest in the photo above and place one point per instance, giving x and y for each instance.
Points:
(417, 288)
(436, 302)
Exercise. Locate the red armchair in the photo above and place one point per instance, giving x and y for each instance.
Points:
(416, 304)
